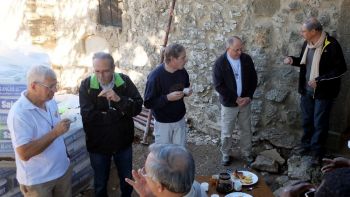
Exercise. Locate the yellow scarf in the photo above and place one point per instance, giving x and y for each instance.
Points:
(317, 56)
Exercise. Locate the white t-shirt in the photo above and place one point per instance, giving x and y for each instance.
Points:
(28, 122)
(236, 67)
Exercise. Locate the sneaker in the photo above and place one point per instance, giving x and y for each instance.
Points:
(226, 160)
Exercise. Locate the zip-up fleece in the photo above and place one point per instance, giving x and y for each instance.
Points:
(331, 68)
(109, 129)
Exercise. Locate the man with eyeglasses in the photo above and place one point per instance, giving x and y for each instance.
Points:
(235, 80)
(322, 65)
(108, 101)
(169, 172)
(166, 87)
(36, 134)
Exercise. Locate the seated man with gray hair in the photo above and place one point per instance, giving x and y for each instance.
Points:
(169, 171)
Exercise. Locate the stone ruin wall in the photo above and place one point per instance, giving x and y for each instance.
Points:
(69, 32)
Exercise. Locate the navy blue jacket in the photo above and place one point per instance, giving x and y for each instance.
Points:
(225, 83)
(160, 83)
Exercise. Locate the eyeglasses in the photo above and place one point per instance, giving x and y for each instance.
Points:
(237, 50)
(51, 88)
(104, 72)
(144, 173)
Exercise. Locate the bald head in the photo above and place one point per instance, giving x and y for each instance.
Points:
(233, 40)
(234, 47)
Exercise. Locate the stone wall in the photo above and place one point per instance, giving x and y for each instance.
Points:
(70, 33)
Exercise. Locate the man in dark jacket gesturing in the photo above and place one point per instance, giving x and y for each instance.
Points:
(235, 79)
(108, 101)
(322, 64)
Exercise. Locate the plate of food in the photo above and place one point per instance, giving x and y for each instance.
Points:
(238, 194)
(246, 177)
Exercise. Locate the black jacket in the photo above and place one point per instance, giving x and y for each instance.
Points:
(225, 83)
(332, 67)
(109, 129)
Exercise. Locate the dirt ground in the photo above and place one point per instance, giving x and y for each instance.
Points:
(207, 159)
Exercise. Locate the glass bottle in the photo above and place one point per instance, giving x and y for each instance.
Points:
(224, 183)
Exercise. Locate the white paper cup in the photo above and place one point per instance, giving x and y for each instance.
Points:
(215, 195)
(186, 91)
(205, 186)
(237, 185)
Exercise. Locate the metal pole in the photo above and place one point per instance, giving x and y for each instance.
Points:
(171, 14)
(110, 11)
(99, 11)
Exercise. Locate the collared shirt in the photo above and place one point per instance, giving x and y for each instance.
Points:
(108, 86)
(196, 190)
(236, 67)
(28, 122)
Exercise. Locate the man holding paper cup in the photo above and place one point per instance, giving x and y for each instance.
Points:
(42, 163)
(166, 87)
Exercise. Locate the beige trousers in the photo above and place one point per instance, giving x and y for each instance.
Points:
(60, 187)
(229, 117)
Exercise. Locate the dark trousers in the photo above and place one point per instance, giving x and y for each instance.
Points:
(315, 122)
(101, 163)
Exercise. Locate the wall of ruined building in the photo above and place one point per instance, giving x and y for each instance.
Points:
(69, 31)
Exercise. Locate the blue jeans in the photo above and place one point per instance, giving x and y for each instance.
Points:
(315, 114)
(101, 163)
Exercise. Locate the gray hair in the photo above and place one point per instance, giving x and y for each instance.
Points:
(173, 50)
(173, 167)
(39, 73)
(313, 23)
(106, 56)
(231, 40)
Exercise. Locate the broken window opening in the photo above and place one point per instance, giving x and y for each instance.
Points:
(110, 12)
